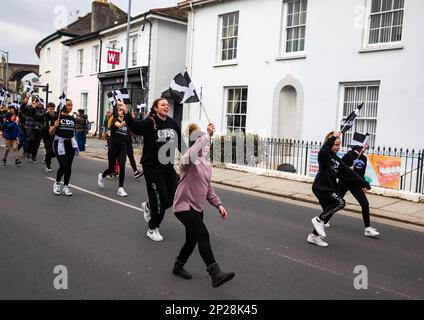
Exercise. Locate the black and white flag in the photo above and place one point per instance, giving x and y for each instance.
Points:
(4, 95)
(348, 122)
(111, 98)
(14, 105)
(182, 88)
(62, 103)
(359, 139)
(122, 95)
(29, 89)
(39, 100)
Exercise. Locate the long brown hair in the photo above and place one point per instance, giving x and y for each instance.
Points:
(153, 112)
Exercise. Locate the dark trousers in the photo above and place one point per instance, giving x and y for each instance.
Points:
(48, 145)
(81, 137)
(331, 202)
(116, 153)
(65, 162)
(34, 143)
(130, 154)
(161, 186)
(360, 196)
(23, 141)
(196, 233)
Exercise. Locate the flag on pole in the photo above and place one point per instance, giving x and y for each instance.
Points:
(62, 103)
(4, 95)
(14, 105)
(348, 122)
(111, 97)
(122, 95)
(359, 139)
(182, 88)
(39, 100)
(29, 89)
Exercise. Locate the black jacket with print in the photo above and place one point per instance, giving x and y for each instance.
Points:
(332, 167)
(167, 135)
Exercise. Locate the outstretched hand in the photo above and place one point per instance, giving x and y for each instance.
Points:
(223, 212)
(211, 129)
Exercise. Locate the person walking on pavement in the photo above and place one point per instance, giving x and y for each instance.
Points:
(64, 146)
(355, 159)
(193, 190)
(38, 114)
(11, 135)
(162, 136)
(325, 186)
(47, 138)
(81, 124)
(117, 152)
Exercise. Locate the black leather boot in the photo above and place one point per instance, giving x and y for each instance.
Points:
(219, 277)
(180, 271)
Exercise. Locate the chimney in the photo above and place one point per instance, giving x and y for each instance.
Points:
(104, 14)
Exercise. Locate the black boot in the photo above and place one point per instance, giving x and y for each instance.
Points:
(219, 277)
(180, 271)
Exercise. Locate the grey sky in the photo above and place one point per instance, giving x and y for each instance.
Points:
(23, 23)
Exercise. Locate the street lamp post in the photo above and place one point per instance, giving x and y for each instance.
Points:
(6, 80)
(128, 44)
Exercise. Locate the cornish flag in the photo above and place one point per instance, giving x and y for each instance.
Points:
(39, 100)
(29, 89)
(14, 105)
(348, 122)
(4, 95)
(122, 95)
(111, 98)
(359, 139)
(182, 88)
(62, 103)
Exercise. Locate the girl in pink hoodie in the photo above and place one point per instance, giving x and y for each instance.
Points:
(193, 190)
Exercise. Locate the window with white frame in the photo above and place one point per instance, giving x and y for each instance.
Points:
(80, 61)
(386, 21)
(95, 59)
(228, 36)
(134, 52)
(366, 122)
(48, 58)
(84, 101)
(236, 110)
(295, 26)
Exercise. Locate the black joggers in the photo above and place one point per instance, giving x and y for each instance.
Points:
(114, 153)
(331, 202)
(360, 196)
(65, 162)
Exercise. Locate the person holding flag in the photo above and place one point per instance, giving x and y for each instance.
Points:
(356, 159)
(64, 145)
(162, 136)
(325, 186)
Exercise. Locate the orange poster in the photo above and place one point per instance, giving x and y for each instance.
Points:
(384, 171)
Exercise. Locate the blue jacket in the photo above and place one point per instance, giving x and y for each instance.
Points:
(10, 130)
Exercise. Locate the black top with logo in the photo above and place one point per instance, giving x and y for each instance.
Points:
(66, 128)
(118, 136)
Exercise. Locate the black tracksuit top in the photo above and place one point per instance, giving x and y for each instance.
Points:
(332, 167)
(167, 131)
(351, 159)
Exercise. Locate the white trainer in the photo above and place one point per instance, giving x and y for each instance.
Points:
(146, 211)
(155, 235)
(327, 225)
(319, 226)
(67, 192)
(316, 240)
(57, 189)
(122, 193)
(101, 181)
(371, 232)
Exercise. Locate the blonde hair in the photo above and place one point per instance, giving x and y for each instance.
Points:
(191, 128)
(328, 136)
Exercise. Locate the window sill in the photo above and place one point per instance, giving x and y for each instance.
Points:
(382, 48)
(291, 57)
(79, 76)
(48, 71)
(225, 64)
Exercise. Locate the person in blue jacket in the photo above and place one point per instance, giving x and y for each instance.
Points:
(10, 135)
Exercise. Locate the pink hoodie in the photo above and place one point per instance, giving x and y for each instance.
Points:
(195, 180)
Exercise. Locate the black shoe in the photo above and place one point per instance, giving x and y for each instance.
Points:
(180, 271)
(219, 277)
(3, 162)
(34, 160)
(138, 174)
(18, 162)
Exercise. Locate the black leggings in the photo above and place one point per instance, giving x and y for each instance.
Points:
(48, 145)
(360, 196)
(130, 154)
(161, 186)
(196, 233)
(330, 202)
(114, 153)
(65, 162)
(34, 143)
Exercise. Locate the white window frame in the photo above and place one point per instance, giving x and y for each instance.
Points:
(220, 39)
(48, 59)
(82, 106)
(283, 45)
(367, 31)
(80, 61)
(365, 113)
(134, 49)
(231, 128)
(95, 59)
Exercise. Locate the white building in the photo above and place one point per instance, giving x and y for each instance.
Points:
(295, 68)
(156, 54)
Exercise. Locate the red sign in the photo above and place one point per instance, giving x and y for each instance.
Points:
(113, 57)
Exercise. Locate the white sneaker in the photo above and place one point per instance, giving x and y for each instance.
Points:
(371, 232)
(101, 181)
(154, 235)
(57, 189)
(327, 225)
(146, 210)
(66, 191)
(48, 169)
(122, 193)
(316, 240)
(319, 226)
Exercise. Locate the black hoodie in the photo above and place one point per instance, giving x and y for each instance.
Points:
(167, 132)
(332, 167)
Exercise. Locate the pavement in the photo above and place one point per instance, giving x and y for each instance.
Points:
(380, 206)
